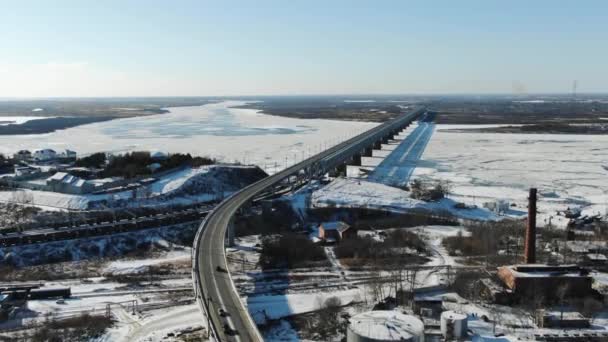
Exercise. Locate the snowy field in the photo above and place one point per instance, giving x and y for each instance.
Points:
(354, 193)
(164, 305)
(568, 170)
(216, 130)
(172, 184)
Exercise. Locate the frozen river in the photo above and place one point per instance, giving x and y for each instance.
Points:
(568, 170)
(217, 130)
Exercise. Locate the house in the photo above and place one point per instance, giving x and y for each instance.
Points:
(65, 183)
(45, 154)
(158, 155)
(499, 206)
(333, 231)
(23, 155)
(595, 259)
(22, 171)
(562, 319)
(582, 247)
(68, 154)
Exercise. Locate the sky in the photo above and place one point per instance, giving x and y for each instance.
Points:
(212, 48)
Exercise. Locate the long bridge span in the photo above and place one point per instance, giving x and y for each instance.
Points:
(228, 318)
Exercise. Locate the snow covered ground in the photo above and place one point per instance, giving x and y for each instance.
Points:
(172, 183)
(262, 308)
(214, 130)
(348, 192)
(137, 266)
(164, 305)
(568, 170)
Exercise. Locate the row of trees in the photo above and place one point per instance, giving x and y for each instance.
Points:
(397, 247)
(135, 164)
(289, 250)
(487, 239)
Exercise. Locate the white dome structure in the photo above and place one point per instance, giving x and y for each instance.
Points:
(453, 325)
(384, 326)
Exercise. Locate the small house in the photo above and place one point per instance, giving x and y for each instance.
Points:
(562, 319)
(158, 155)
(68, 154)
(23, 171)
(333, 231)
(596, 259)
(45, 154)
(66, 183)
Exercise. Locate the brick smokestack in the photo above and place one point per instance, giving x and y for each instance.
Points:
(530, 244)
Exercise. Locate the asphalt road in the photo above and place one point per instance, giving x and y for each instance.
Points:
(212, 283)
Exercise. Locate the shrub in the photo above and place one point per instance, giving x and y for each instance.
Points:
(429, 192)
(398, 247)
(94, 160)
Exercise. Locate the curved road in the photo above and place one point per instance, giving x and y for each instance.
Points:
(213, 285)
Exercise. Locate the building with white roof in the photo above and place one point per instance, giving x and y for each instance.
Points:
(45, 154)
(65, 183)
(384, 326)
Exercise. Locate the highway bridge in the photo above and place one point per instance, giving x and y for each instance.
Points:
(215, 292)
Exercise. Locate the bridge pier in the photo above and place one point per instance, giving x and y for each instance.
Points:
(377, 145)
(340, 170)
(356, 160)
(230, 234)
(368, 152)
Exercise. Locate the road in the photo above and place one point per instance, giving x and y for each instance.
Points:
(213, 285)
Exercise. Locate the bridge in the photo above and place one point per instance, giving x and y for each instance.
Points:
(227, 317)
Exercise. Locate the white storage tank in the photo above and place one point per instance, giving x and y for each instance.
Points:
(384, 326)
(453, 325)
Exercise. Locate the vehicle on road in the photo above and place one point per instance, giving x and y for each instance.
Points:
(229, 331)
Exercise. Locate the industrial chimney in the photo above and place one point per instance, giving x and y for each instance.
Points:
(530, 243)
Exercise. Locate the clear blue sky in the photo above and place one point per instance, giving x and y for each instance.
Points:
(135, 48)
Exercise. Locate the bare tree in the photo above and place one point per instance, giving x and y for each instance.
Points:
(562, 293)
(329, 322)
(590, 308)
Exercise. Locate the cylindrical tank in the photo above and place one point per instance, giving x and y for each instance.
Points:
(384, 326)
(453, 325)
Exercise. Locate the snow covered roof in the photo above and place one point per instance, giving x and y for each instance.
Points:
(58, 176)
(158, 155)
(566, 314)
(45, 150)
(386, 325)
(335, 225)
(67, 178)
(540, 270)
(596, 257)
